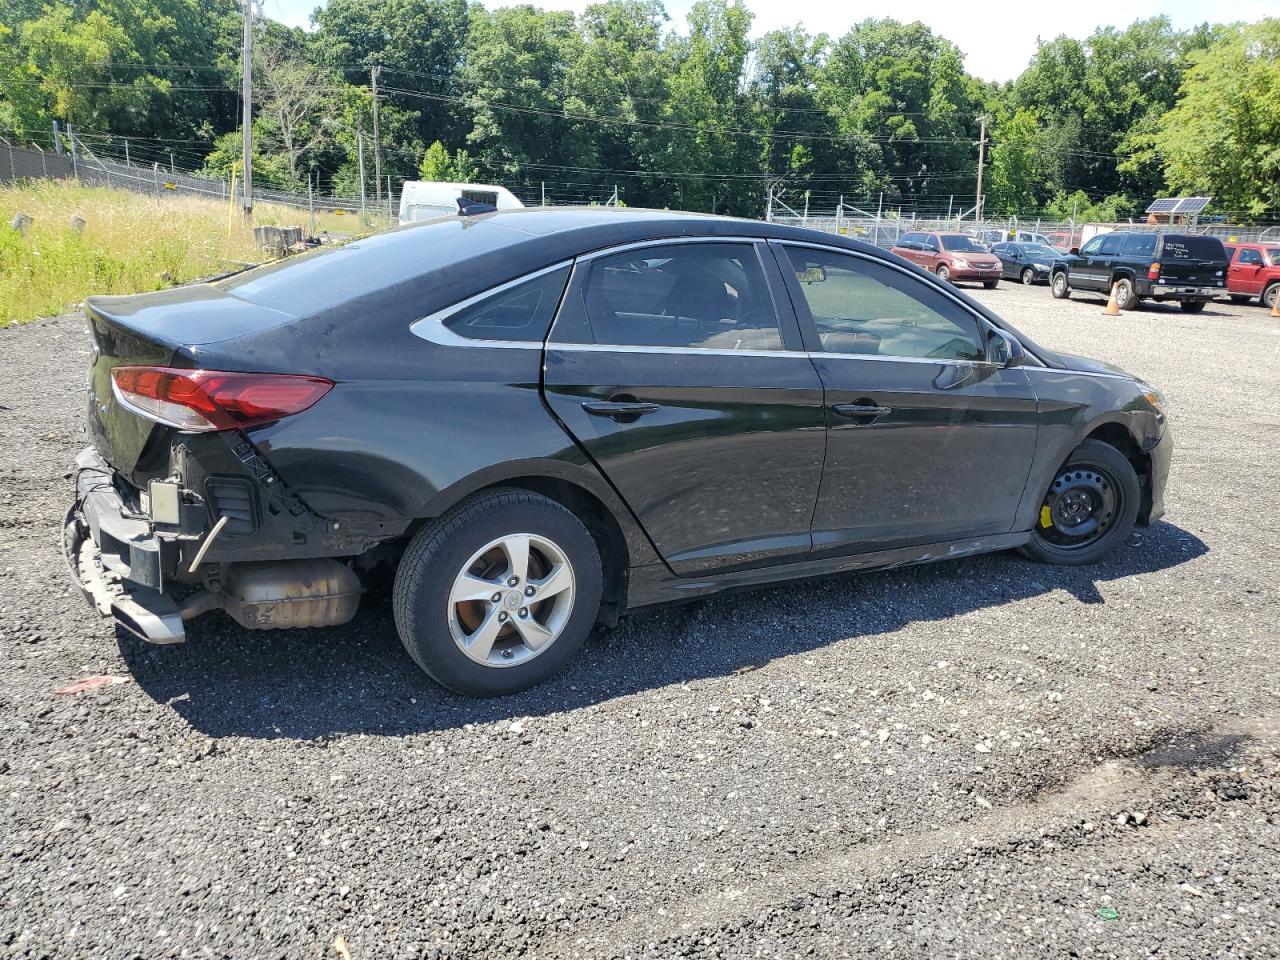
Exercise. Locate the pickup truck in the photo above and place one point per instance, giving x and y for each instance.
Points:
(1184, 267)
(1254, 271)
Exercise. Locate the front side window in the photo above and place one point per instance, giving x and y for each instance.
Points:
(1092, 247)
(521, 312)
(698, 295)
(859, 306)
(1251, 257)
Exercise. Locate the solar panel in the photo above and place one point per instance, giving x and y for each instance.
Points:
(1181, 205)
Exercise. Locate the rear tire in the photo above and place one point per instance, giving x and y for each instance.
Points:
(1092, 505)
(1028, 276)
(1270, 295)
(1125, 299)
(1192, 306)
(1059, 286)
(462, 618)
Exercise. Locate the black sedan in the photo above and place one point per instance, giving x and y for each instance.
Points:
(543, 419)
(1026, 262)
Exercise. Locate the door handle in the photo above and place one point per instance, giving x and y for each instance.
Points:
(861, 411)
(617, 409)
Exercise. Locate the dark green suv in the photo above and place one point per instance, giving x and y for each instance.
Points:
(1189, 268)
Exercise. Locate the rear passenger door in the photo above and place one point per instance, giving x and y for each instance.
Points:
(674, 369)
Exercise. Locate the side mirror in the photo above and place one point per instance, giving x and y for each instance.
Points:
(1075, 251)
(1004, 350)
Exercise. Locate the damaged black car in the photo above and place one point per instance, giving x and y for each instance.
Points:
(542, 419)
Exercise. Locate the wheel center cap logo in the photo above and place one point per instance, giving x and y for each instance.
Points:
(513, 600)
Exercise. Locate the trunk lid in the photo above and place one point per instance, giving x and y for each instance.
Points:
(156, 329)
(1192, 259)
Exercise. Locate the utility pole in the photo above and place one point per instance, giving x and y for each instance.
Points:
(360, 145)
(377, 143)
(126, 151)
(768, 205)
(246, 115)
(544, 193)
(982, 146)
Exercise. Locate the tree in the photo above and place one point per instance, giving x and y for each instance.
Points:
(294, 94)
(1223, 137)
(437, 165)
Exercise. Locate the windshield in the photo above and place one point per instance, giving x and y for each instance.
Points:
(954, 241)
(1038, 250)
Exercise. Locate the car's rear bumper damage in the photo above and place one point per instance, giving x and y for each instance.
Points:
(151, 578)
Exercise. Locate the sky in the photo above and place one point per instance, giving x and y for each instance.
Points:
(998, 40)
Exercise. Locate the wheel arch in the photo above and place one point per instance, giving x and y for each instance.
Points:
(623, 544)
(1116, 434)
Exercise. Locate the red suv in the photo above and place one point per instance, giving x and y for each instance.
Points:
(1254, 271)
(952, 256)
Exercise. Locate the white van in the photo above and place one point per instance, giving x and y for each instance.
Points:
(426, 200)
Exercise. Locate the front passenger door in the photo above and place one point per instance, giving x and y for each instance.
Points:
(927, 441)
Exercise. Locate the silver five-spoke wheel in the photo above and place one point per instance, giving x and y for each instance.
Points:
(511, 600)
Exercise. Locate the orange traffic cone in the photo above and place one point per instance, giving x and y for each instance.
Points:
(1113, 305)
(1275, 306)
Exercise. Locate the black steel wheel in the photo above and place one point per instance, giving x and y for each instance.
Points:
(1089, 508)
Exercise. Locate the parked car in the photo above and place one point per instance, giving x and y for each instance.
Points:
(1253, 271)
(1027, 236)
(1187, 268)
(952, 256)
(542, 419)
(1026, 262)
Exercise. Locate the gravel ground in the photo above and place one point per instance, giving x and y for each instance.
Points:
(975, 759)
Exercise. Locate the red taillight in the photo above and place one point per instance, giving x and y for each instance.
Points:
(204, 400)
(1153, 272)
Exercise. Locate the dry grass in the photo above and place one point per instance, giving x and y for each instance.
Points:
(130, 243)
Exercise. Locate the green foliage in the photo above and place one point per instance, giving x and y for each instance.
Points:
(699, 117)
(1223, 136)
(1078, 207)
(439, 166)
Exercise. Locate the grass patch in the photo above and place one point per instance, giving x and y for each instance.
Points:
(131, 243)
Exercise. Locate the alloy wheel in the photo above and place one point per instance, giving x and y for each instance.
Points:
(1028, 276)
(511, 600)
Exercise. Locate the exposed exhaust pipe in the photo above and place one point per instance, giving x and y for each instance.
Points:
(282, 595)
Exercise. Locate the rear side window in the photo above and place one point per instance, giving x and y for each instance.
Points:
(520, 312)
(1140, 245)
(1183, 246)
(863, 307)
(710, 296)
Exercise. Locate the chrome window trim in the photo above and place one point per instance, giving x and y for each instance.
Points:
(756, 243)
(432, 327)
(689, 351)
(983, 323)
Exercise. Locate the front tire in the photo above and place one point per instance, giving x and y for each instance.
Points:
(990, 284)
(1089, 509)
(1059, 286)
(1028, 277)
(944, 272)
(498, 594)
